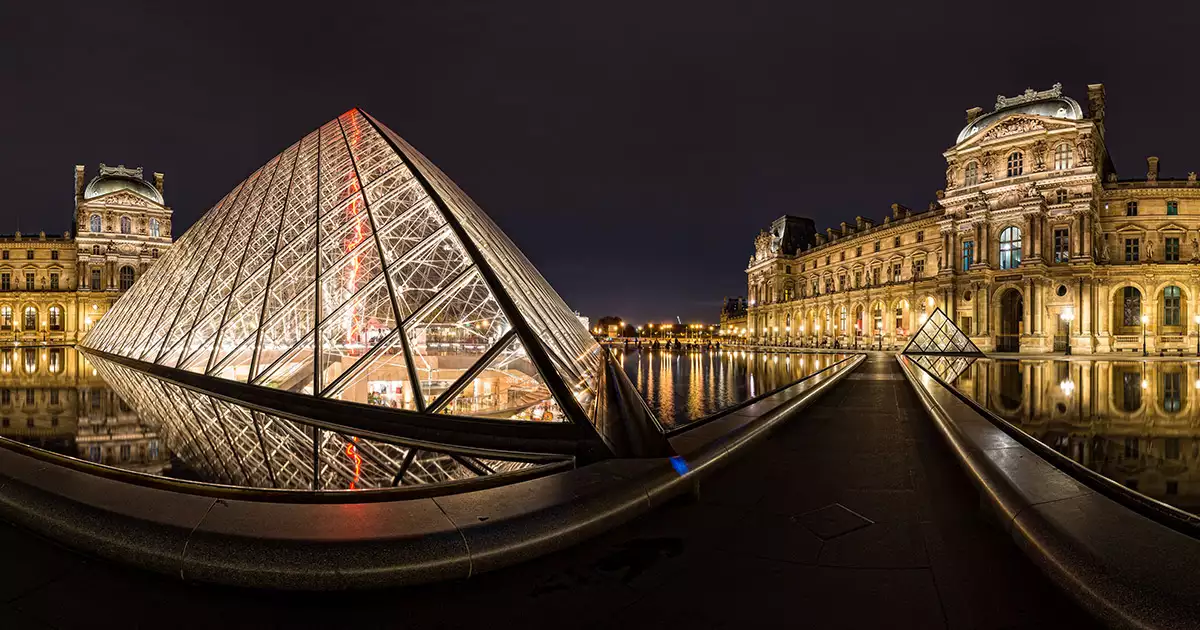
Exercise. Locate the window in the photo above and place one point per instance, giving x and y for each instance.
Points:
(55, 318)
(4, 255)
(29, 282)
(1171, 308)
(125, 452)
(1172, 207)
(896, 242)
(95, 250)
(1062, 157)
(1131, 208)
(30, 322)
(826, 260)
(842, 282)
(787, 269)
(918, 268)
(126, 278)
(126, 225)
(843, 254)
(896, 271)
(968, 254)
(1060, 196)
(6, 318)
(55, 397)
(920, 237)
(95, 223)
(154, 230)
(53, 282)
(95, 279)
(1016, 163)
(54, 254)
(1132, 308)
(1171, 249)
(857, 279)
(858, 251)
(816, 287)
(154, 253)
(5, 281)
(1010, 248)
(29, 254)
(1131, 249)
(899, 318)
(972, 174)
(876, 245)
(1171, 445)
(1062, 245)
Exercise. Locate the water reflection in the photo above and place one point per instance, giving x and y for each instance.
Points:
(1135, 422)
(54, 399)
(686, 385)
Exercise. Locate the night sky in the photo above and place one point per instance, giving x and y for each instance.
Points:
(631, 149)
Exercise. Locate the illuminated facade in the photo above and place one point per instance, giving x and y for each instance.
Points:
(1034, 244)
(349, 268)
(53, 289)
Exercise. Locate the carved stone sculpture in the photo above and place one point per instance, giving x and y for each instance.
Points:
(1104, 251)
(1149, 249)
(1195, 250)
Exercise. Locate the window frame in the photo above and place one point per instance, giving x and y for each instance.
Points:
(1010, 241)
(1015, 164)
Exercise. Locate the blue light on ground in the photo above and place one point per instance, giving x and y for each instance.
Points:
(679, 465)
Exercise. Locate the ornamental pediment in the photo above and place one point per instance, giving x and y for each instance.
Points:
(1130, 227)
(124, 198)
(1172, 227)
(1018, 124)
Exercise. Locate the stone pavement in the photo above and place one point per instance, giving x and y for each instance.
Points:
(854, 515)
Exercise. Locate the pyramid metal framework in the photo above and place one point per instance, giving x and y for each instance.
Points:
(349, 267)
(945, 366)
(939, 335)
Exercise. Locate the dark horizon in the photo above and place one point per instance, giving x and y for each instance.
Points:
(632, 160)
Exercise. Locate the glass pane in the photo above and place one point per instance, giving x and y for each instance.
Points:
(427, 270)
(509, 388)
(452, 333)
(353, 330)
(383, 381)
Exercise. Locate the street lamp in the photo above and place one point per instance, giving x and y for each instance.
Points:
(1068, 315)
(1145, 320)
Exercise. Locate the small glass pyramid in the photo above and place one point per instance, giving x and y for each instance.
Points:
(350, 267)
(939, 335)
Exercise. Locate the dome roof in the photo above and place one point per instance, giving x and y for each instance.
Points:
(1050, 103)
(112, 179)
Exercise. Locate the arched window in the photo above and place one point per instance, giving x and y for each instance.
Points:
(95, 223)
(1131, 307)
(55, 317)
(30, 318)
(126, 278)
(1062, 157)
(1010, 248)
(154, 231)
(126, 225)
(845, 316)
(1016, 163)
(154, 253)
(6, 318)
(972, 174)
(95, 250)
(1172, 315)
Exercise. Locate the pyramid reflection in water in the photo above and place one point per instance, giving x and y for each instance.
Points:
(349, 267)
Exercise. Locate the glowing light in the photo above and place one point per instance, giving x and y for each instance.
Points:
(1145, 384)
(352, 453)
(1145, 319)
(680, 465)
(1067, 387)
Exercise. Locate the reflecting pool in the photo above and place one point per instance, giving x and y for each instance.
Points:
(60, 400)
(682, 386)
(1135, 422)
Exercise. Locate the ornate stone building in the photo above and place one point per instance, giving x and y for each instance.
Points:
(1035, 243)
(53, 289)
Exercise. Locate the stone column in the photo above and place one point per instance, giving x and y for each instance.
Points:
(1026, 237)
(978, 242)
(1028, 307)
(1037, 315)
(986, 314)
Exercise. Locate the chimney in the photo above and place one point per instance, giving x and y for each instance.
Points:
(1152, 169)
(829, 234)
(845, 228)
(858, 223)
(158, 182)
(820, 239)
(973, 114)
(1095, 93)
(78, 183)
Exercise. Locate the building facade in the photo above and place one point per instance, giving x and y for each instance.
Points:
(1034, 244)
(53, 289)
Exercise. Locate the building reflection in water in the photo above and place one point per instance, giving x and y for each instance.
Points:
(1135, 422)
(687, 385)
(51, 397)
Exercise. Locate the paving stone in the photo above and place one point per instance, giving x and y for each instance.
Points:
(832, 521)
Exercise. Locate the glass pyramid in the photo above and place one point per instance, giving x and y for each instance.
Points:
(945, 366)
(349, 267)
(939, 335)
